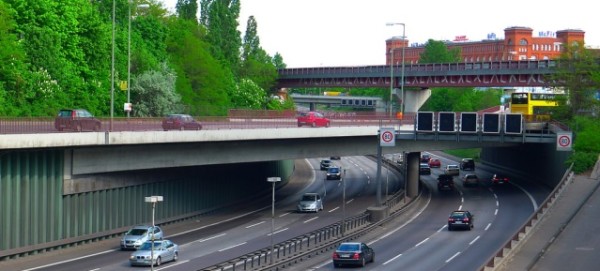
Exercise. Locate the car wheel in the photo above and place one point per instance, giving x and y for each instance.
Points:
(363, 262)
(449, 228)
(78, 128)
(181, 128)
(336, 265)
(97, 127)
(327, 124)
(175, 256)
(314, 124)
(158, 261)
(373, 257)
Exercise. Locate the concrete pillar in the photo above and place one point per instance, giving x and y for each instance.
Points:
(414, 99)
(412, 174)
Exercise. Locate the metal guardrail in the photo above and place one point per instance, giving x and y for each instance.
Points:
(533, 219)
(296, 249)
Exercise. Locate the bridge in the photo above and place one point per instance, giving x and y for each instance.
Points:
(527, 73)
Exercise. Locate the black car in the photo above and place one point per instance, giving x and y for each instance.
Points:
(467, 164)
(460, 219)
(425, 158)
(353, 253)
(325, 164)
(180, 122)
(335, 157)
(76, 120)
(424, 169)
(334, 173)
(445, 182)
(500, 179)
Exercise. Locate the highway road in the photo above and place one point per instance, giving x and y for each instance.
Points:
(418, 241)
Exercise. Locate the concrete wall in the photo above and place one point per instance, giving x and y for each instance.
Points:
(537, 162)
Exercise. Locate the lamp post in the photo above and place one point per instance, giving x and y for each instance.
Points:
(112, 69)
(391, 79)
(273, 180)
(344, 203)
(402, 72)
(153, 200)
(129, 56)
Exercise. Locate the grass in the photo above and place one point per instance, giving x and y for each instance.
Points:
(465, 153)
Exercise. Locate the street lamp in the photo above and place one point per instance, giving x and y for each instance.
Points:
(128, 106)
(153, 200)
(344, 203)
(402, 73)
(112, 69)
(273, 180)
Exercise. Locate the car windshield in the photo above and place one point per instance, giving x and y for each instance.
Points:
(148, 245)
(457, 215)
(308, 197)
(137, 231)
(334, 170)
(349, 247)
(452, 166)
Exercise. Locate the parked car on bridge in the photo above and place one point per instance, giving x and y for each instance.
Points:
(163, 251)
(353, 253)
(76, 120)
(313, 119)
(180, 122)
(140, 234)
(310, 202)
(460, 219)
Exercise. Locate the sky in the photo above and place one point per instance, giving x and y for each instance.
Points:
(315, 33)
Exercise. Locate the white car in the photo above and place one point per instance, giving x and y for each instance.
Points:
(163, 251)
(138, 235)
(310, 202)
(453, 170)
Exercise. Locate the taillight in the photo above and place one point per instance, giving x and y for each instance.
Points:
(356, 256)
(450, 219)
(466, 219)
(336, 256)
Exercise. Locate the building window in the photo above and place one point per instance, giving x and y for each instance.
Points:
(523, 42)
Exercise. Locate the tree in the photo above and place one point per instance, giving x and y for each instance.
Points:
(187, 9)
(437, 52)
(578, 72)
(278, 61)
(221, 23)
(154, 93)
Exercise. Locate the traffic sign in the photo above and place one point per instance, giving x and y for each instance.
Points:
(564, 141)
(387, 137)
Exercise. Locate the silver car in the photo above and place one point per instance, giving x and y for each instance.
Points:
(164, 251)
(137, 235)
(310, 202)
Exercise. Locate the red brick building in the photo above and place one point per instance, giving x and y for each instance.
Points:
(518, 44)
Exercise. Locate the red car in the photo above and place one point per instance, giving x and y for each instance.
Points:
(312, 119)
(180, 122)
(434, 162)
(500, 179)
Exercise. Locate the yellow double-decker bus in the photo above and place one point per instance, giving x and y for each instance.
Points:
(533, 106)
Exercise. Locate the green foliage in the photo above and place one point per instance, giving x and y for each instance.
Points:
(437, 52)
(586, 143)
(462, 99)
(465, 153)
(222, 31)
(248, 95)
(153, 93)
(187, 9)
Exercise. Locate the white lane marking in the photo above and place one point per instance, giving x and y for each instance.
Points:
(172, 265)
(390, 260)
(460, 207)
(278, 231)
(309, 220)
(497, 203)
(535, 206)
(422, 242)
(210, 238)
(334, 209)
(474, 240)
(496, 212)
(284, 214)
(488, 226)
(230, 247)
(442, 228)
(71, 260)
(254, 225)
(453, 256)
(349, 201)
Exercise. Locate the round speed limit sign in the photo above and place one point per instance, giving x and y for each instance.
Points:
(563, 141)
(387, 137)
